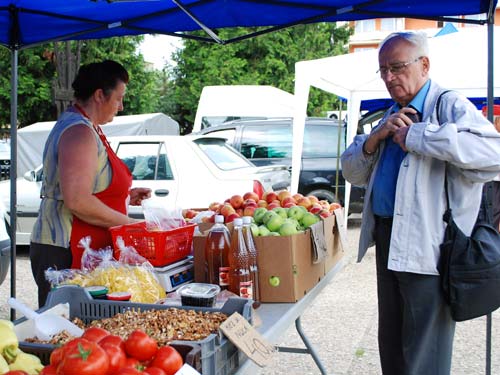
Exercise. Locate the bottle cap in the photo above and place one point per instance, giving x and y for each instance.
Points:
(219, 219)
(238, 221)
(247, 219)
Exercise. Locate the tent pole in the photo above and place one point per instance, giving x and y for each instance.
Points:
(13, 173)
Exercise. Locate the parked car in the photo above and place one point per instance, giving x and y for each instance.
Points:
(269, 141)
(4, 246)
(182, 171)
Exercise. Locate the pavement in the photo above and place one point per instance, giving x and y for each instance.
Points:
(341, 323)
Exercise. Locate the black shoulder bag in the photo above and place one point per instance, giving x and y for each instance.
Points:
(470, 266)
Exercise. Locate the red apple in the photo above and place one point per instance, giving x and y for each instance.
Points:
(231, 217)
(313, 198)
(287, 200)
(270, 196)
(239, 211)
(283, 194)
(334, 206)
(262, 203)
(227, 210)
(215, 206)
(289, 204)
(190, 214)
(251, 195)
(249, 210)
(249, 202)
(236, 201)
(272, 205)
(315, 208)
(297, 196)
(324, 213)
(325, 204)
(305, 202)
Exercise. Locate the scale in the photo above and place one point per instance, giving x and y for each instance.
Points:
(176, 274)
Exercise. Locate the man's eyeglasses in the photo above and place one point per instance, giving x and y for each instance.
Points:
(396, 69)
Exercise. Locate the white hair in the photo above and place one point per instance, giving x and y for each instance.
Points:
(418, 39)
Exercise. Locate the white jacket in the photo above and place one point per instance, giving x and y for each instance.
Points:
(471, 146)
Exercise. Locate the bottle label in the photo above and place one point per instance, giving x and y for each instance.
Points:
(224, 276)
(246, 289)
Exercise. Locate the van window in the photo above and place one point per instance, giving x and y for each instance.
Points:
(265, 142)
(322, 141)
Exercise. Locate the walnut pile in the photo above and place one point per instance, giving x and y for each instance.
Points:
(164, 325)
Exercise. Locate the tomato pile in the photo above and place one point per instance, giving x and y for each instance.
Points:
(98, 352)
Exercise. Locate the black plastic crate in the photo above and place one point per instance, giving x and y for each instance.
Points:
(214, 355)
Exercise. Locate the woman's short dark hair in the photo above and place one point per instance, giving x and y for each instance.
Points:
(103, 75)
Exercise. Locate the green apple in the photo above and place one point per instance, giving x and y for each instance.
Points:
(274, 281)
(268, 215)
(274, 223)
(280, 211)
(255, 229)
(309, 219)
(263, 231)
(295, 212)
(274, 234)
(287, 229)
(258, 214)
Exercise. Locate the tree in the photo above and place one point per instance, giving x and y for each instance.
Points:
(265, 60)
(37, 70)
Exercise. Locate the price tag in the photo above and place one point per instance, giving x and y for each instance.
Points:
(339, 220)
(247, 339)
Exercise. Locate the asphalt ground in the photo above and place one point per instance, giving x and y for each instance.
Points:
(341, 323)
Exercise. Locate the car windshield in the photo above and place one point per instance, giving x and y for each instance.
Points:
(222, 155)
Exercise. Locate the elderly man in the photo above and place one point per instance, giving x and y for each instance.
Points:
(428, 132)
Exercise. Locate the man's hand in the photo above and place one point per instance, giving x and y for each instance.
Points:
(396, 126)
(138, 194)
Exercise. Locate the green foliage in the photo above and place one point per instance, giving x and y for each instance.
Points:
(265, 60)
(36, 72)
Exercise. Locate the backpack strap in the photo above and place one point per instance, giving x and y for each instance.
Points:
(438, 104)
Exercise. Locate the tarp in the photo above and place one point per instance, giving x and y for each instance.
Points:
(458, 62)
(31, 139)
(243, 101)
(28, 22)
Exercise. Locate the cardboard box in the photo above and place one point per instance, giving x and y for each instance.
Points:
(284, 258)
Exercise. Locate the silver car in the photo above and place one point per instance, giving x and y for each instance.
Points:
(182, 171)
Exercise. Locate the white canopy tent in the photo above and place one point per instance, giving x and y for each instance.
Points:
(31, 139)
(458, 62)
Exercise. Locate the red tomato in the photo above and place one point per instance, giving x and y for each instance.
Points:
(58, 353)
(95, 334)
(49, 370)
(86, 358)
(132, 362)
(139, 345)
(116, 355)
(129, 371)
(154, 371)
(168, 359)
(113, 340)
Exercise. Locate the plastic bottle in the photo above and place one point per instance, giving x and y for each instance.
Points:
(240, 281)
(252, 253)
(217, 247)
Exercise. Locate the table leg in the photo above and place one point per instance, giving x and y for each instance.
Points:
(309, 348)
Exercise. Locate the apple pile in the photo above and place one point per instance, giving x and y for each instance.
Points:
(275, 213)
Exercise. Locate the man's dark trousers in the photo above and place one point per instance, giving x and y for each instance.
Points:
(415, 326)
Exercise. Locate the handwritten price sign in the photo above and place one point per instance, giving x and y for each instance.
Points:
(247, 339)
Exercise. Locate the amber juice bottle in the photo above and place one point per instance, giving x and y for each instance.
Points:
(217, 247)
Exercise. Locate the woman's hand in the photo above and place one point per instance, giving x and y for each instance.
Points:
(138, 194)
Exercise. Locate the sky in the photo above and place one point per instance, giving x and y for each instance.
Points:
(157, 49)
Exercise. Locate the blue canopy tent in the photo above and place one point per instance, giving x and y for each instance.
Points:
(26, 23)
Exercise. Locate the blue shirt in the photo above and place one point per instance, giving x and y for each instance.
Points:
(384, 185)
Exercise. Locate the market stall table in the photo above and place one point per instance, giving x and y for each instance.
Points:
(277, 317)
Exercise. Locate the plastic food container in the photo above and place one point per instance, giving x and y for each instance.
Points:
(198, 294)
(97, 292)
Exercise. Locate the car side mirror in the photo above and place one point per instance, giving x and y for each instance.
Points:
(30, 176)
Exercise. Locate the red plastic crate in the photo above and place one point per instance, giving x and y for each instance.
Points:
(159, 247)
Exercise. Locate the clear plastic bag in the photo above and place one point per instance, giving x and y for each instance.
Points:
(91, 258)
(128, 254)
(158, 217)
